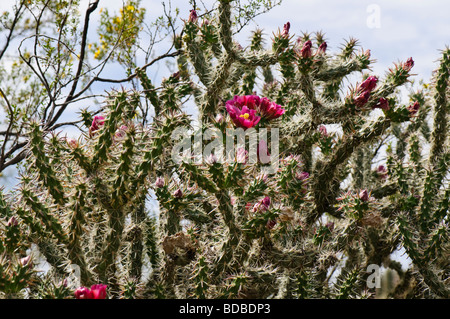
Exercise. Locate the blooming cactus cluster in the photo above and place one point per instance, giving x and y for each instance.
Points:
(332, 205)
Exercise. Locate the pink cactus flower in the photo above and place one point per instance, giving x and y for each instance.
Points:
(270, 110)
(252, 104)
(98, 291)
(245, 117)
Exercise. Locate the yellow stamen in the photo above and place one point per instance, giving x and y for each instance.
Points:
(245, 115)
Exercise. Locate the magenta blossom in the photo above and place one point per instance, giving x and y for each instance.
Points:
(98, 291)
(178, 193)
(159, 182)
(270, 110)
(83, 293)
(245, 117)
(243, 110)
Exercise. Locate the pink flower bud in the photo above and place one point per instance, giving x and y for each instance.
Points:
(382, 104)
(12, 222)
(407, 66)
(178, 193)
(193, 16)
(414, 108)
(364, 195)
(98, 291)
(302, 176)
(72, 143)
(266, 202)
(382, 171)
(368, 84)
(323, 130)
(322, 48)
(362, 99)
(121, 132)
(219, 118)
(306, 49)
(83, 293)
(285, 32)
(159, 182)
(26, 261)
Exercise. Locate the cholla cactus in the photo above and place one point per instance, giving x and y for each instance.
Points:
(308, 229)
